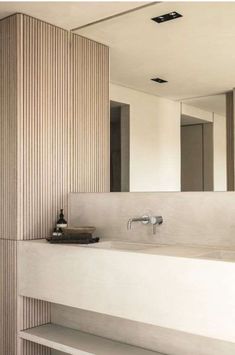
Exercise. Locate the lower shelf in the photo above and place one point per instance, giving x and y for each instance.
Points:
(78, 343)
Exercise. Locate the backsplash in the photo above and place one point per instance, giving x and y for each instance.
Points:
(205, 218)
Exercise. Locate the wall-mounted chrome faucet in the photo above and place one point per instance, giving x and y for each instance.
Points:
(154, 220)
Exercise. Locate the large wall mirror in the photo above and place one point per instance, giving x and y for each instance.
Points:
(169, 85)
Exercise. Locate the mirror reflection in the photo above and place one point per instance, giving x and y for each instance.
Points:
(169, 87)
(202, 151)
(203, 144)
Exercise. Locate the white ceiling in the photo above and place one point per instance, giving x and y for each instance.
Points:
(195, 53)
(189, 120)
(216, 104)
(65, 14)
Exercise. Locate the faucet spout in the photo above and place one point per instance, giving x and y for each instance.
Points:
(143, 219)
(154, 220)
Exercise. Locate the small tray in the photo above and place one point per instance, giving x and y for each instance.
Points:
(64, 240)
(79, 230)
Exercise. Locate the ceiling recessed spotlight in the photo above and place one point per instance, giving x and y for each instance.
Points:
(159, 80)
(167, 17)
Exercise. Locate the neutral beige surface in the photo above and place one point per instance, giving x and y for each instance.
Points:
(79, 343)
(220, 146)
(193, 53)
(65, 14)
(202, 114)
(167, 341)
(214, 103)
(204, 218)
(120, 286)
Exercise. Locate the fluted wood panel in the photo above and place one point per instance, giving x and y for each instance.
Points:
(31, 314)
(89, 159)
(89, 146)
(28, 348)
(8, 297)
(43, 127)
(43, 135)
(8, 185)
(54, 138)
(8, 127)
(38, 316)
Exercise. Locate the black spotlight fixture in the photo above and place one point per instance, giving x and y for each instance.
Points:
(167, 17)
(159, 80)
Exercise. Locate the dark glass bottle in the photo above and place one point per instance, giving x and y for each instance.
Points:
(61, 223)
(57, 232)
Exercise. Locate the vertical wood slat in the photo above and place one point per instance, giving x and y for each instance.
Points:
(43, 125)
(230, 140)
(39, 116)
(33, 313)
(28, 348)
(8, 297)
(89, 145)
(91, 120)
(8, 127)
(8, 185)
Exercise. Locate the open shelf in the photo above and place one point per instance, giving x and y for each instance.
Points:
(78, 343)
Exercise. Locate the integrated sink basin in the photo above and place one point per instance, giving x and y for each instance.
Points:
(129, 246)
(223, 255)
(183, 288)
(163, 249)
(167, 250)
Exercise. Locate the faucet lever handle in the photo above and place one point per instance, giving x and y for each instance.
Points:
(154, 228)
(154, 220)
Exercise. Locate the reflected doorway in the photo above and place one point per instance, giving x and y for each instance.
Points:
(204, 144)
(197, 157)
(119, 147)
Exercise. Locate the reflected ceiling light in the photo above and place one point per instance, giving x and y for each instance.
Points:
(159, 80)
(167, 17)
